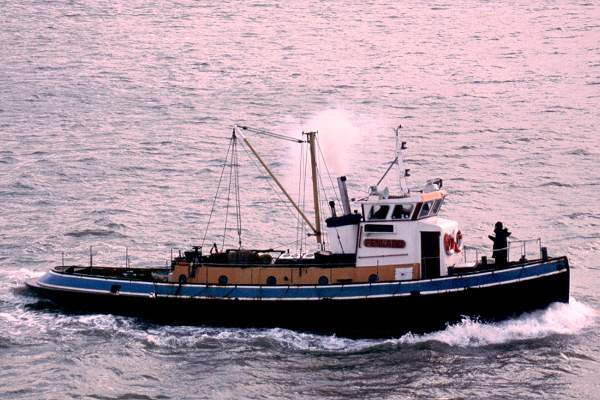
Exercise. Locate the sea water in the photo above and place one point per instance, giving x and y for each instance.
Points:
(114, 122)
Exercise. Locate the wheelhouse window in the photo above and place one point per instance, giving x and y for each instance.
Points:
(379, 212)
(426, 209)
(402, 211)
(429, 208)
(436, 206)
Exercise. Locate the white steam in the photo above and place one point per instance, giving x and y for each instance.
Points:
(338, 133)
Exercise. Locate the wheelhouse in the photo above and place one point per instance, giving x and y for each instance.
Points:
(394, 208)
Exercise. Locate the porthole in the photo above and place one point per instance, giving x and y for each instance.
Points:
(271, 280)
(223, 280)
(323, 280)
(373, 278)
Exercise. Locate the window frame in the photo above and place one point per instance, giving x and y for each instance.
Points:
(371, 212)
(437, 205)
(404, 205)
(429, 214)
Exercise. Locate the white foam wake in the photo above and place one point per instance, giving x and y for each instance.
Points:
(557, 319)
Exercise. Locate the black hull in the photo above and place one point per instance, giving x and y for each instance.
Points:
(363, 317)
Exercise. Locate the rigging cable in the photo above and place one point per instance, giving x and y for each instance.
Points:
(324, 204)
(271, 134)
(282, 137)
(387, 170)
(298, 224)
(303, 233)
(228, 193)
(212, 209)
(237, 194)
(328, 173)
(281, 200)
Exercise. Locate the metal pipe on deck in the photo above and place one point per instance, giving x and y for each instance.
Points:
(344, 195)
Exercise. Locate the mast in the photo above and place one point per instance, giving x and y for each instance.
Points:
(403, 173)
(399, 161)
(313, 166)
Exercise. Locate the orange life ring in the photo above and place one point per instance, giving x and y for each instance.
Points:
(448, 244)
(453, 243)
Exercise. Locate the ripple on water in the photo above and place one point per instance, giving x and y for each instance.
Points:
(95, 233)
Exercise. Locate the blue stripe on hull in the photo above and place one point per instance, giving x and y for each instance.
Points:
(59, 281)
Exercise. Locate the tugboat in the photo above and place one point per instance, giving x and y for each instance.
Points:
(390, 266)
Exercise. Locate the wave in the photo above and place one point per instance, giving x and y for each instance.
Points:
(556, 184)
(94, 232)
(578, 215)
(579, 152)
(14, 279)
(557, 319)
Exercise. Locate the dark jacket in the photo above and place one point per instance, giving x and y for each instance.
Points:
(501, 238)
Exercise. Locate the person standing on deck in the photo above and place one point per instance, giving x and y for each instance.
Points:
(500, 253)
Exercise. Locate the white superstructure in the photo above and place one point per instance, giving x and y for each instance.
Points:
(407, 230)
(401, 231)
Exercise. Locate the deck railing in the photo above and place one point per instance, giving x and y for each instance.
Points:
(518, 250)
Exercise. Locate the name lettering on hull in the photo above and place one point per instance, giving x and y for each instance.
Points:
(385, 243)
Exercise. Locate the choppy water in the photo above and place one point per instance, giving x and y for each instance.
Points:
(114, 119)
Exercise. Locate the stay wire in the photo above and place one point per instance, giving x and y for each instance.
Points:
(324, 204)
(328, 173)
(212, 209)
(298, 224)
(271, 134)
(275, 190)
(238, 201)
(228, 196)
(304, 235)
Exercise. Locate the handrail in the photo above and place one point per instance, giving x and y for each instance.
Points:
(522, 247)
(520, 243)
(523, 244)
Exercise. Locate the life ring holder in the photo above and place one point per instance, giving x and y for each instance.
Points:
(453, 243)
(458, 244)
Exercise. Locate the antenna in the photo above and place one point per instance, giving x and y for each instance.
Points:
(403, 173)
